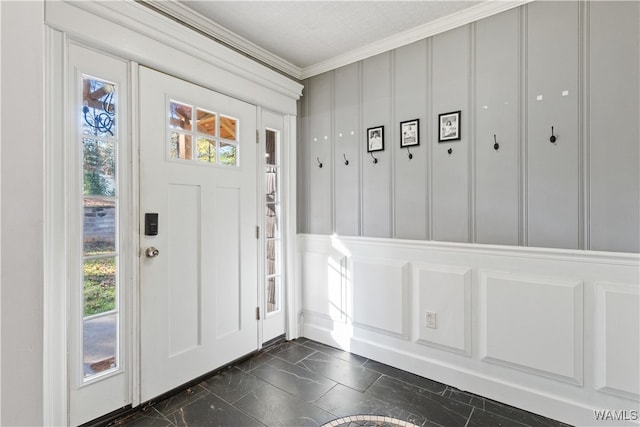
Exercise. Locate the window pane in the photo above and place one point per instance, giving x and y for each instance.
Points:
(180, 116)
(99, 285)
(99, 344)
(273, 257)
(206, 150)
(99, 167)
(271, 147)
(228, 154)
(271, 221)
(228, 128)
(206, 122)
(180, 147)
(99, 226)
(271, 184)
(273, 294)
(98, 108)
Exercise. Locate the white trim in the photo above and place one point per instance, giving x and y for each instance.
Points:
(293, 285)
(311, 242)
(465, 16)
(55, 378)
(218, 32)
(133, 201)
(45, 380)
(260, 222)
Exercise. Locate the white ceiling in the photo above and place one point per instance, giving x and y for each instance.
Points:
(306, 37)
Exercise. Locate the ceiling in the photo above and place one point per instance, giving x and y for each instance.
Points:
(303, 38)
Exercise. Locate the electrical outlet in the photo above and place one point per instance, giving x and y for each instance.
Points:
(431, 320)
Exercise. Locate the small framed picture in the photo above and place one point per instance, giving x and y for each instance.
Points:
(375, 139)
(449, 126)
(409, 133)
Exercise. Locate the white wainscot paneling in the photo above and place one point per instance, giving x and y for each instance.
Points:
(445, 291)
(322, 294)
(554, 332)
(618, 339)
(380, 298)
(532, 323)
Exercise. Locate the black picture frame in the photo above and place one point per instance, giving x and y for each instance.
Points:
(449, 126)
(375, 139)
(409, 133)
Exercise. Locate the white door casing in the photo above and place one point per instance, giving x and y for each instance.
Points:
(198, 296)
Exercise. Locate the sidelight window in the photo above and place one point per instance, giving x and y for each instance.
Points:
(273, 240)
(101, 284)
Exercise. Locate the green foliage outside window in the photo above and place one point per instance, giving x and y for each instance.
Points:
(99, 168)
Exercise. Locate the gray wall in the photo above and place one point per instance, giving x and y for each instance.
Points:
(21, 213)
(570, 65)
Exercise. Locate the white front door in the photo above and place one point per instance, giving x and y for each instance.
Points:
(198, 268)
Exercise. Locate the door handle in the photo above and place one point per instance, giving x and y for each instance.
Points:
(151, 252)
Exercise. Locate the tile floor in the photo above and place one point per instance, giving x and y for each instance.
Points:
(305, 383)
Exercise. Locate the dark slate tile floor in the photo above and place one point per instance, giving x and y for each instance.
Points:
(305, 383)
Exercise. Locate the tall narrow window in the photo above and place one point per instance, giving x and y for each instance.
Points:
(273, 261)
(100, 228)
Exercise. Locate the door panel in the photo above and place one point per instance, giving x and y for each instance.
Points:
(227, 251)
(198, 173)
(183, 285)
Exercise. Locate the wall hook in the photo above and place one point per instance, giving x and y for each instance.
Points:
(496, 146)
(319, 162)
(450, 150)
(410, 155)
(346, 162)
(553, 137)
(374, 159)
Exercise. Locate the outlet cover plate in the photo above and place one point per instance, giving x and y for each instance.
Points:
(431, 320)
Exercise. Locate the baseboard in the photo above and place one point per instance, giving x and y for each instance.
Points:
(550, 406)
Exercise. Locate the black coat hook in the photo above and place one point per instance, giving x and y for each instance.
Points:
(410, 155)
(496, 146)
(346, 162)
(374, 159)
(450, 150)
(319, 162)
(553, 137)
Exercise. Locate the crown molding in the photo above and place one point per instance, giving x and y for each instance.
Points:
(214, 30)
(465, 16)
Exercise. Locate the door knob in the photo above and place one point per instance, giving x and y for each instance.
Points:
(151, 252)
